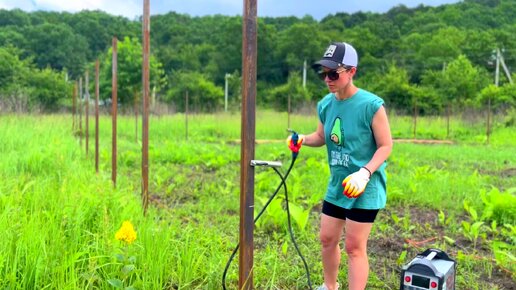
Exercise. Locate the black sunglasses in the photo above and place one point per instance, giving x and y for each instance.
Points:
(333, 75)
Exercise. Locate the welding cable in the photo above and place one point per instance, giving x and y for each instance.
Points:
(283, 183)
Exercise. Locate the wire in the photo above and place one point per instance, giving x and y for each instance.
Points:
(290, 229)
(283, 183)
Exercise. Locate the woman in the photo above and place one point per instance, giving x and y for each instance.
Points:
(354, 127)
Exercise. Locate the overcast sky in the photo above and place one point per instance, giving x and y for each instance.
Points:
(132, 8)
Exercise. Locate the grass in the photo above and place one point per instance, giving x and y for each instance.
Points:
(59, 217)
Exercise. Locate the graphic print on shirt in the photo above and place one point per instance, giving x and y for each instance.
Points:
(337, 157)
(336, 135)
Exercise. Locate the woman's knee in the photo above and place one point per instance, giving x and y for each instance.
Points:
(329, 240)
(355, 247)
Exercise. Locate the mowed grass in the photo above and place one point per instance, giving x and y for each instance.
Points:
(58, 217)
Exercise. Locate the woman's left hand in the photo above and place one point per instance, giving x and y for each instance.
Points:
(355, 183)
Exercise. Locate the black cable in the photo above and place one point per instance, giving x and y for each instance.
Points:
(283, 183)
(290, 229)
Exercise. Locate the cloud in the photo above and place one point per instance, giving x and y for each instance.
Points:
(127, 8)
(25, 5)
(274, 8)
(65, 5)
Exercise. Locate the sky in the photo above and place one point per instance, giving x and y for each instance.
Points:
(273, 8)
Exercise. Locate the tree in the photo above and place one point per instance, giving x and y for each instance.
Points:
(23, 87)
(429, 51)
(461, 81)
(129, 69)
(14, 93)
(393, 86)
(203, 94)
(298, 43)
(279, 96)
(15, 17)
(57, 46)
(9, 36)
(49, 88)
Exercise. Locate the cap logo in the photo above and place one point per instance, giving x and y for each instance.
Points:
(330, 51)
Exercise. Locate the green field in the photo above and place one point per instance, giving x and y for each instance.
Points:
(59, 218)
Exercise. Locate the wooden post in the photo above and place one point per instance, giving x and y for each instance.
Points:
(248, 136)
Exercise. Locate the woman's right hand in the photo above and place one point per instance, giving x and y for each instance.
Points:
(293, 144)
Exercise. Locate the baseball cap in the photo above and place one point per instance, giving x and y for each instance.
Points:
(338, 54)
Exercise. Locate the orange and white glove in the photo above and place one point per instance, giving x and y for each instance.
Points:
(355, 183)
(294, 147)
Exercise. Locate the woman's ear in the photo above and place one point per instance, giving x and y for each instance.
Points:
(353, 70)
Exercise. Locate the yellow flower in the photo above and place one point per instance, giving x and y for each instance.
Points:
(126, 233)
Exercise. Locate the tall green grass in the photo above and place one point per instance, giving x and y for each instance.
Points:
(58, 217)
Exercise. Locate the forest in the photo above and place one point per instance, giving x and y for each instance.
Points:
(438, 57)
(71, 215)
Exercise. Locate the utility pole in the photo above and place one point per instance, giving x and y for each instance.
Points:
(226, 92)
(304, 74)
(500, 61)
(497, 68)
(505, 69)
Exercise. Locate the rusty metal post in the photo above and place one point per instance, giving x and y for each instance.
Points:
(288, 112)
(135, 101)
(414, 133)
(186, 115)
(80, 111)
(97, 116)
(74, 106)
(145, 112)
(114, 104)
(87, 109)
(248, 132)
(488, 123)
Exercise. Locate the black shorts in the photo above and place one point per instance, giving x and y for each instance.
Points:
(354, 214)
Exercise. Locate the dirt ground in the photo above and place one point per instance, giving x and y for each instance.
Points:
(387, 249)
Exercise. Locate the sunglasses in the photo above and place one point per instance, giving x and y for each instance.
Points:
(333, 75)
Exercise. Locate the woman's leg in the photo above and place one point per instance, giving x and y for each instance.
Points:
(330, 235)
(356, 237)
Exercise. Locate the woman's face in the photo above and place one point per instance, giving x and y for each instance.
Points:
(337, 79)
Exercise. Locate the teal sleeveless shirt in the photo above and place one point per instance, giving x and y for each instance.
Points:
(350, 144)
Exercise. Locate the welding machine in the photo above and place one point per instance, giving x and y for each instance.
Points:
(432, 269)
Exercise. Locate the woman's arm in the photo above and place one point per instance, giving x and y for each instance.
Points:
(315, 139)
(382, 135)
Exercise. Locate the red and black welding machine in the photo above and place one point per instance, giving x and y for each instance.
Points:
(432, 270)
